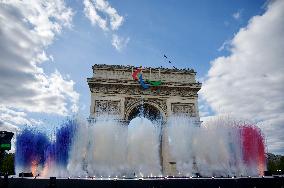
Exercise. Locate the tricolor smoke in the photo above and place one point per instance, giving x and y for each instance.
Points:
(108, 148)
(222, 147)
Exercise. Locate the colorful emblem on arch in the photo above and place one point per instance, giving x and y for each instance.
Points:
(138, 76)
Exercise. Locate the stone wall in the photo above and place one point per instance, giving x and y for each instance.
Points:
(116, 89)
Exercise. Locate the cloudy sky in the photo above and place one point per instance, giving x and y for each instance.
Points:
(47, 49)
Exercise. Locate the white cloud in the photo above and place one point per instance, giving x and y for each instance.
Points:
(119, 42)
(11, 118)
(27, 29)
(6, 126)
(109, 21)
(92, 15)
(225, 46)
(249, 83)
(112, 19)
(115, 19)
(237, 15)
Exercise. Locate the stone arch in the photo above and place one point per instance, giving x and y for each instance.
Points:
(151, 111)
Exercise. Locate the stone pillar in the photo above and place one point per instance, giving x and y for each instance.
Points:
(168, 163)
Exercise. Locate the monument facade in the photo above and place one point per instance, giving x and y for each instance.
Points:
(115, 91)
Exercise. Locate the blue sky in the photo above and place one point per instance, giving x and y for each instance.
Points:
(189, 32)
(47, 50)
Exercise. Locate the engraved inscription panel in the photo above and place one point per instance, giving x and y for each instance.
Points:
(183, 108)
(106, 106)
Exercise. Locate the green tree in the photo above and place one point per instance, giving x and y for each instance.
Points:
(7, 163)
(275, 163)
(271, 167)
(281, 164)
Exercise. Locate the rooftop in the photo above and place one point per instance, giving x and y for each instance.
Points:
(130, 67)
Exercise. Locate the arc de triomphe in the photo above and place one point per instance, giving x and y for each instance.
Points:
(113, 90)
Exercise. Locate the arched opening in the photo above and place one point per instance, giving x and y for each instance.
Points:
(145, 110)
(154, 114)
